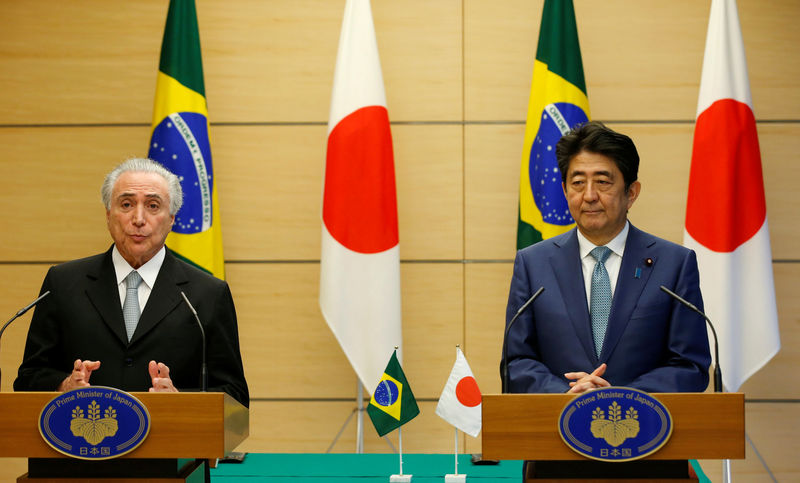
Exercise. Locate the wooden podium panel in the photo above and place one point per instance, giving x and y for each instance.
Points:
(182, 425)
(525, 427)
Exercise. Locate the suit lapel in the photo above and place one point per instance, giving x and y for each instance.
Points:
(104, 295)
(164, 297)
(633, 275)
(568, 272)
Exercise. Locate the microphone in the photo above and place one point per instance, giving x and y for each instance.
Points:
(717, 370)
(505, 336)
(22, 312)
(203, 368)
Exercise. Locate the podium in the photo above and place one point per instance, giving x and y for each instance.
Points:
(193, 426)
(525, 427)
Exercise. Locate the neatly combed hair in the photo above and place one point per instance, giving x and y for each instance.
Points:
(143, 165)
(595, 137)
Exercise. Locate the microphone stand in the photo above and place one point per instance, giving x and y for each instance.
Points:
(203, 368)
(20, 314)
(717, 370)
(505, 336)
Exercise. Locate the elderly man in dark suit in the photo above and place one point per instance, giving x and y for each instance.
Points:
(118, 318)
(602, 319)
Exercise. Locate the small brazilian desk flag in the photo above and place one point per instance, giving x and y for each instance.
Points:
(558, 102)
(392, 404)
(179, 140)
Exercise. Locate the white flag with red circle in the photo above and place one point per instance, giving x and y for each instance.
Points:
(359, 292)
(460, 402)
(726, 213)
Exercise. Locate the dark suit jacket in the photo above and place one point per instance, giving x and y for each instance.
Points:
(652, 342)
(82, 319)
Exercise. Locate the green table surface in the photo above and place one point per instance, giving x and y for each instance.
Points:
(334, 468)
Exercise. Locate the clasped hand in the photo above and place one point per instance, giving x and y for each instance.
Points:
(583, 382)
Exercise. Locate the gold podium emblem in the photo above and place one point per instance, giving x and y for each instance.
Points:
(615, 430)
(93, 428)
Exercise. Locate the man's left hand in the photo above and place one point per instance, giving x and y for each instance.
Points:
(159, 375)
(586, 382)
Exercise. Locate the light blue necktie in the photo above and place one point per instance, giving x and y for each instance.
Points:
(130, 309)
(600, 304)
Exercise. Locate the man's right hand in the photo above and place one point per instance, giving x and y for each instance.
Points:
(79, 377)
(583, 382)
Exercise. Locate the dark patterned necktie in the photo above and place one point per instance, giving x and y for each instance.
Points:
(600, 304)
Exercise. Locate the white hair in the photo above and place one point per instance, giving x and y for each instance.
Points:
(143, 165)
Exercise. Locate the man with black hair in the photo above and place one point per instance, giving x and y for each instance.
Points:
(602, 319)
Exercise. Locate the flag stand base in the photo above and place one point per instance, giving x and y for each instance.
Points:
(400, 479)
(455, 478)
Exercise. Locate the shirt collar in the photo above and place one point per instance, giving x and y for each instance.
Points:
(617, 244)
(148, 271)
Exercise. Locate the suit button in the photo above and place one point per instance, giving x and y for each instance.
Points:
(129, 362)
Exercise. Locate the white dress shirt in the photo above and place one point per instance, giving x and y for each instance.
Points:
(148, 271)
(613, 262)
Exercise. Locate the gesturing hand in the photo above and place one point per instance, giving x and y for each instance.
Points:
(79, 377)
(159, 375)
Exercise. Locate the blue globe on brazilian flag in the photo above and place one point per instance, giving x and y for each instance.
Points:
(180, 140)
(392, 404)
(558, 102)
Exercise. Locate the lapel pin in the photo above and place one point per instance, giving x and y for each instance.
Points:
(637, 273)
(648, 262)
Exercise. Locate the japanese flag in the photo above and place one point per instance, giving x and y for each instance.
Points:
(460, 402)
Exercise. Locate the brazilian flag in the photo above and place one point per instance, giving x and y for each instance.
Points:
(558, 102)
(179, 140)
(392, 404)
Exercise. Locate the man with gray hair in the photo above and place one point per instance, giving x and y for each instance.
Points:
(118, 318)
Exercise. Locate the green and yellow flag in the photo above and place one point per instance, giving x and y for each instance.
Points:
(392, 404)
(557, 103)
(180, 141)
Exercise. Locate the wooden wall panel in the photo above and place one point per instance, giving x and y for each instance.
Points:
(772, 45)
(780, 164)
(289, 351)
(486, 289)
(642, 60)
(430, 191)
(665, 152)
(275, 210)
(287, 348)
(433, 314)
(779, 378)
(85, 62)
(19, 286)
(271, 180)
(311, 426)
(492, 157)
(772, 438)
(264, 61)
(770, 442)
(50, 179)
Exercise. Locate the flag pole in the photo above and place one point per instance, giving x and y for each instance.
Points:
(458, 347)
(360, 417)
(456, 453)
(400, 447)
